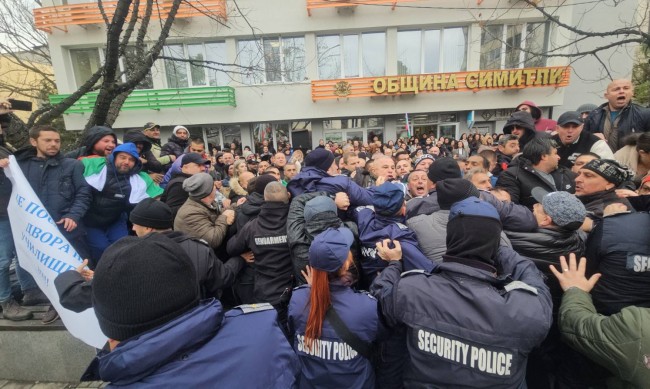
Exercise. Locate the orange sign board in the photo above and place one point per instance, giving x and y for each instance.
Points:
(61, 16)
(474, 81)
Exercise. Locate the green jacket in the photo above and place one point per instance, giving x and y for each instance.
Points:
(620, 342)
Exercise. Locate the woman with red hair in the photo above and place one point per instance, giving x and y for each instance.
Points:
(332, 327)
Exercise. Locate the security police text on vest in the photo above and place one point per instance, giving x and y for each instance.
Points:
(484, 360)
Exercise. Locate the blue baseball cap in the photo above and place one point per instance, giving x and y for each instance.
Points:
(388, 198)
(473, 206)
(329, 250)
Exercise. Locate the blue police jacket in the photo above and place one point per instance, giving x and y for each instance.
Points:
(374, 228)
(465, 326)
(332, 363)
(204, 348)
(619, 248)
(311, 179)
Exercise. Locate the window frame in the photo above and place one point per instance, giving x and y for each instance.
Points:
(359, 54)
(261, 66)
(441, 51)
(102, 60)
(522, 62)
(188, 66)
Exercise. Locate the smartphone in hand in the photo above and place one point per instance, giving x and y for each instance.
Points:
(20, 105)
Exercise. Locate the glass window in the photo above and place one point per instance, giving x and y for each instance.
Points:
(329, 57)
(231, 133)
(85, 62)
(277, 135)
(431, 51)
(195, 53)
(293, 52)
(376, 132)
(250, 56)
(454, 49)
(175, 71)
(128, 63)
(513, 46)
(491, 42)
(205, 65)
(334, 136)
(262, 132)
(272, 62)
(359, 55)
(516, 49)
(374, 54)
(351, 55)
(216, 52)
(421, 51)
(408, 52)
(301, 135)
(281, 135)
(536, 43)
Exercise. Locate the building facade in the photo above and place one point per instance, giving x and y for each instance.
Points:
(298, 71)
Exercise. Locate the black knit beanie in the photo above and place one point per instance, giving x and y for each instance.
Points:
(320, 158)
(444, 168)
(262, 181)
(452, 190)
(153, 214)
(473, 231)
(141, 284)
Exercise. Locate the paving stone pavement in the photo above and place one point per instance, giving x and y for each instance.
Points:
(4, 384)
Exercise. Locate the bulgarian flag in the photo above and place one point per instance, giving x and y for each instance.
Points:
(142, 186)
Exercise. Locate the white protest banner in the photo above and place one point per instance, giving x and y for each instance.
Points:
(45, 253)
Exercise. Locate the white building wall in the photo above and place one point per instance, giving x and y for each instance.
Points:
(285, 102)
(589, 79)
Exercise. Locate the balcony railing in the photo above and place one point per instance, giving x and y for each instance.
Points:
(157, 99)
(62, 16)
(315, 4)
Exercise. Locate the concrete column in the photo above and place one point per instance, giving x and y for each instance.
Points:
(391, 51)
(316, 132)
(246, 135)
(390, 128)
(311, 56)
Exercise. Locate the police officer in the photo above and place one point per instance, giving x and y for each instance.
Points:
(481, 332)
(147, 302)
(386, 220)
(329, 357)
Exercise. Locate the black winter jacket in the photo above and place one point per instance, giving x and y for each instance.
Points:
(503, 161)
(249, 210)
(174, 194)
(634, 118)
(300, 233)
(619, 248)
(94, 135)
(108, 205)
(595, 203)
(59, 184)
(174, 146)
(5, 186)
(266, 237)
(470, 310)
(213, 276)
(521, 178)
(544, 247)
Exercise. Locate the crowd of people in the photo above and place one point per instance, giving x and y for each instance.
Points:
(511, 260)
